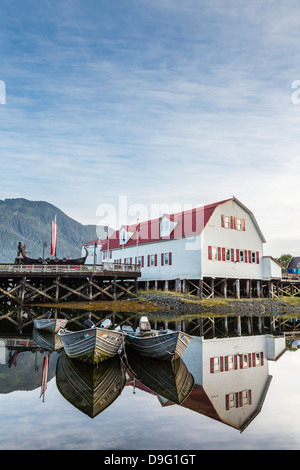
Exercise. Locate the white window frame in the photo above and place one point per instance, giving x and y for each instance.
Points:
(166, 259)
(216, 364)
(226, 221)
(214, 253)
(242, 256)
(152, 260)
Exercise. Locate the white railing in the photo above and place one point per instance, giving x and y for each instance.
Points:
(69, 268)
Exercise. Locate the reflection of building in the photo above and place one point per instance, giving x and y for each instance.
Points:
(231, 376)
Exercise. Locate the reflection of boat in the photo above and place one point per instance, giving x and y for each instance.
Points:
(92, 344)
(90, 388)
(160, 344)
(46, 339)
(49, 324)
(171, 380)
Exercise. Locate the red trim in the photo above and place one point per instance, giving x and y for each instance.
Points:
(162, 259)
(210, 252)
(170, 258)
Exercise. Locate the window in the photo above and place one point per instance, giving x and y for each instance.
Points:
(257, 359)
(122, 237)
(242, 256)
(139, 261)
(216, 364)
(214, 253)
(230, 363)
(231, 400)
(245, 361)
(239, 224)
(245, 400)
(152, 260)
(227, 254)
(253, 257)
(227, 221)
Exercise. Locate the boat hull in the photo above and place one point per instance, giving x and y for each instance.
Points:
(90, 388)
(165, 346)
(168, 379)
(50, 324)
(92, 345)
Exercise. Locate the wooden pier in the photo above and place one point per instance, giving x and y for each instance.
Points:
(21, 284)
(210, 287)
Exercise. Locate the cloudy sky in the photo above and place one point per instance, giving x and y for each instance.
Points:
(154, 103)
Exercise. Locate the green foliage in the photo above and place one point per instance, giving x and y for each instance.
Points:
(284, 260)
(30, 223)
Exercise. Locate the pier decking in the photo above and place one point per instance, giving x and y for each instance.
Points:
(21, 284)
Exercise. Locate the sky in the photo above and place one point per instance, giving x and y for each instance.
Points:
(128, 106)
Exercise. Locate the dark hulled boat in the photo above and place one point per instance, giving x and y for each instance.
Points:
(26, 260)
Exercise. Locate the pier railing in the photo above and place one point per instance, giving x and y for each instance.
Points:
(69, 268)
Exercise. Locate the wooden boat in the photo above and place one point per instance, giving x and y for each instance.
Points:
(160, 344)
(26, 260)
(47, 323)
(92, 344)
(90, 388)
(168, 379)
(47, 340)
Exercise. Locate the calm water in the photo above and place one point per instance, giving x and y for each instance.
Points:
(247, 398)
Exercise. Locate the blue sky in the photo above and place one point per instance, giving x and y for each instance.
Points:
(165, 102)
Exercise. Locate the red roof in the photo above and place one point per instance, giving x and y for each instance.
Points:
(187, 223)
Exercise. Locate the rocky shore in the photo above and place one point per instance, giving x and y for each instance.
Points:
(176, 304)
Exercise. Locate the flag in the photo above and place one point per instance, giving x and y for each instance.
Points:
(53, 238)
(44, 375)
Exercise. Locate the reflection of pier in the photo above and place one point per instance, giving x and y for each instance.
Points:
(209, 287)
(54, 283)
(20, 318)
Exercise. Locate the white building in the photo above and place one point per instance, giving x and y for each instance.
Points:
(220, 240)
(94, 249)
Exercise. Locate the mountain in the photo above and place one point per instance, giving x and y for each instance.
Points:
(30, 223)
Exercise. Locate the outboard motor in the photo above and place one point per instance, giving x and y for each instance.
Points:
(144, 325)
(48, 314)
(89, 324)
(106, 323)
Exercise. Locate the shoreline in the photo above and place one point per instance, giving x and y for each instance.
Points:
(181, 304)
(176, 304)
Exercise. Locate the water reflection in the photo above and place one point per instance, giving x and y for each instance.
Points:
(170, 381)
(223, 374)
(90, 388)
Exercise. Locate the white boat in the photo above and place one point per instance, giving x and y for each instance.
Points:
(49, 324)
(166, 344)
(92, 344)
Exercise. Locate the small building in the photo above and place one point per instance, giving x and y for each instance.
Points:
(294, 266)
(94, 249)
